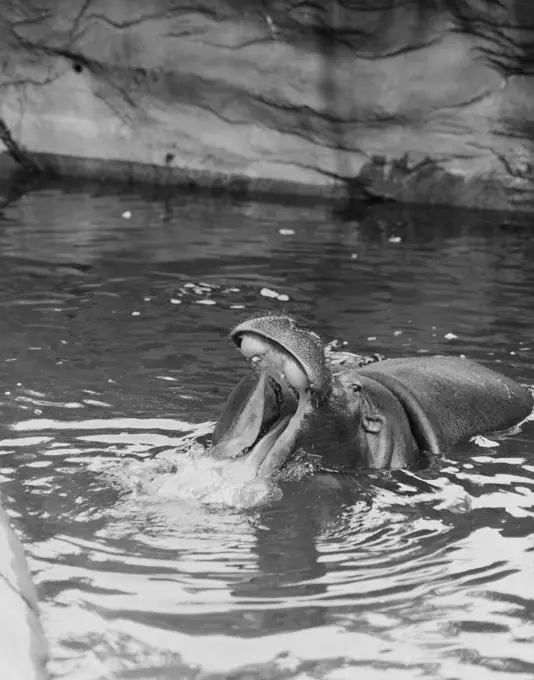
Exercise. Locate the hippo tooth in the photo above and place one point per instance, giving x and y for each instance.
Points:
(295, 376)
(253, 347)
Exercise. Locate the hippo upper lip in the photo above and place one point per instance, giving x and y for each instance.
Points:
(305, 347)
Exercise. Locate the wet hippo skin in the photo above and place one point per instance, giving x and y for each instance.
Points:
(386, 414)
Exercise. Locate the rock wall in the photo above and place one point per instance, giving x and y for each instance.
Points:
(415, 100)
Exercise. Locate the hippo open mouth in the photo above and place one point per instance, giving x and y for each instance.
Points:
(265, 413)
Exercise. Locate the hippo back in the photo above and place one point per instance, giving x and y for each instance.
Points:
(460, 397)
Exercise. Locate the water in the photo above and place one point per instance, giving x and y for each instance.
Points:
(114, 343)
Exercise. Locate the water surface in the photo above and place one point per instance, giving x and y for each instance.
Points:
(114, 343)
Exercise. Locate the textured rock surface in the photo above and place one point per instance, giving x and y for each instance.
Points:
(416, 100)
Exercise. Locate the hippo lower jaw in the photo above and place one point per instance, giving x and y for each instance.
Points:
(263, 434)
(275, 448)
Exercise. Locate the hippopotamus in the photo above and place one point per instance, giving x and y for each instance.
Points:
(347, 416)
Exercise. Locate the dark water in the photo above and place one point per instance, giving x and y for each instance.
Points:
(113, 343)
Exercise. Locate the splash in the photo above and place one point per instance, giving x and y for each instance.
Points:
(192, 475)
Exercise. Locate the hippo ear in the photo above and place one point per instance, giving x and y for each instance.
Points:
(373, 423)
(372, 420)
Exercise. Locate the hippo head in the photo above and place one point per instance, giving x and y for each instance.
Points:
(265, 414)
(295, 399)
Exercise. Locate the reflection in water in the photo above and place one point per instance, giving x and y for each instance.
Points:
(114, 347)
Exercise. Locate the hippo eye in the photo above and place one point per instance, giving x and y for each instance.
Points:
(356, 387)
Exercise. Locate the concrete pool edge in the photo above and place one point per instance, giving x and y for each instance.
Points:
(23, 648)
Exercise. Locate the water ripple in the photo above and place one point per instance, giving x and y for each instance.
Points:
(115, 361)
